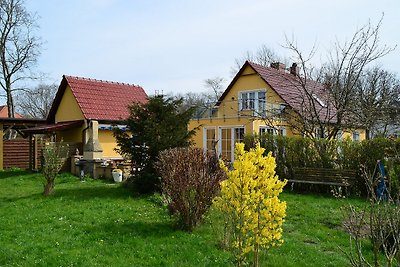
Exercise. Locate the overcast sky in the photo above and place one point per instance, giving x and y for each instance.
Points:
(173, 46)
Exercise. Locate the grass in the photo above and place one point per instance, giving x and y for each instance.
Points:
(97, 223)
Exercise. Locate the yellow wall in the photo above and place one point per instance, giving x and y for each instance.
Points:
(348, 134)
(108, 143)
(228, 115)
(72, 135)
(248, 81)
(68, 110)
(217, 122)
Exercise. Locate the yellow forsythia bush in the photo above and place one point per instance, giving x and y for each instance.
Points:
(249, 199)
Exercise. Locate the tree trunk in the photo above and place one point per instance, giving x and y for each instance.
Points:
(10, 134)
(256, 255)
(10, 102)
(48, 188)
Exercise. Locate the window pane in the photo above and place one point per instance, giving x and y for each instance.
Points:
(210, 140)
(266, 130)
(239, 135)
(261, 101)
(243, 101)
(252, 97)
(226, 144)
(356, 136)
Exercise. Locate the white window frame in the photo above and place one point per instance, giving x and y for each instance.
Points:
(275, 130)
(205, 136)
(233, 139)
(356, 136)
(252, 104)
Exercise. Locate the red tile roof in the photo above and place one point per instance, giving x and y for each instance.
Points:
(4, 112)
(290, 89)
(98, 99)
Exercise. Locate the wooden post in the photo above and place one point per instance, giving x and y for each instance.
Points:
(35, 153)
(30, 153)
(1, 147)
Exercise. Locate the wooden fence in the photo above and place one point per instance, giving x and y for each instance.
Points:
(16, 154)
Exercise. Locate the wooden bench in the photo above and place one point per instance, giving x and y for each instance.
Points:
(322, 176)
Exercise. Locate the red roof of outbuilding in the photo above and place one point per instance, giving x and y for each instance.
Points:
(98, 99)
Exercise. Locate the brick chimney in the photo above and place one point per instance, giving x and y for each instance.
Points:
(279, 66)
(294, 69)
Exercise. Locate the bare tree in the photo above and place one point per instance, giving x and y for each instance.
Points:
(379, 221)
(19, 48)
(216, 85)
(203, 102)
(377, 91)
(263, 56)
(36, 103)
(331, 111)
(191, 99)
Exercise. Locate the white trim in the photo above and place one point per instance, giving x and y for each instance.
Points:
(256, 99)
(275, 130)
(205, 135)
(356, 136)
(232, 140)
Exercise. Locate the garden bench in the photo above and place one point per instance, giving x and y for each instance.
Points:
(323, 176)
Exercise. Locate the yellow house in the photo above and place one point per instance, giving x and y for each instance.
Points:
(260, 100)
(84, 112)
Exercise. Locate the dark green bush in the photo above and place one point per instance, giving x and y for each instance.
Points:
(144, 182)
(156, 125)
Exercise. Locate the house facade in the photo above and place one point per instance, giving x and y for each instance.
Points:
(260, 100)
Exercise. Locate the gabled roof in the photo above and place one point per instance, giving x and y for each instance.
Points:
(289, 87)
(98, 99)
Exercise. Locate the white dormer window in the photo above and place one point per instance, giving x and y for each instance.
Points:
(252, 100)
(322, 103)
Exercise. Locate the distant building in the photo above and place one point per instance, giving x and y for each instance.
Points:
(4, 112)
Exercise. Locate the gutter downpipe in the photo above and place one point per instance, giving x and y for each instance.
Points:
(84, 133)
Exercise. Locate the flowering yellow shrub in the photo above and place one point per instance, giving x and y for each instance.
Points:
(249, 198)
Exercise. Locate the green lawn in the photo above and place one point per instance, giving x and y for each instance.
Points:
(97, 223)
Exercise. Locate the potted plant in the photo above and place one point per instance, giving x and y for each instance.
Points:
(117, 175)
